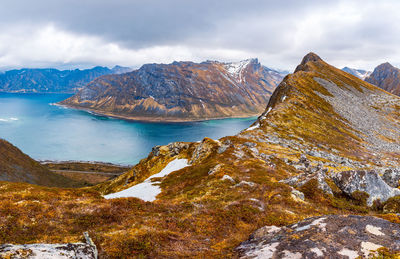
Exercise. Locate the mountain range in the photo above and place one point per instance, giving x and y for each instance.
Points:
(181, 91)
(50, 80)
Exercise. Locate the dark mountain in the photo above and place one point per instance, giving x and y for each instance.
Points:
(181, 91)
(49, 80)
(386, 77)
(16, 166)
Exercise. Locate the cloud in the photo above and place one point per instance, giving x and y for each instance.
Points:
(131, 32)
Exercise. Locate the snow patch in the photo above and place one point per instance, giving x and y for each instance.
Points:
(256, 126)
(235, 69)
(148, 190)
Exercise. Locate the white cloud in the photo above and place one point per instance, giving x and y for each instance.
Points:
(356, 33)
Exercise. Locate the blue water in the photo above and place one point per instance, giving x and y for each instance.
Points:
(48, 132)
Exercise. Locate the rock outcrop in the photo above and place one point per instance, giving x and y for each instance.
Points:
(181, 91)
(333, 236)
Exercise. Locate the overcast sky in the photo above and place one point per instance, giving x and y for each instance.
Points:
(83, 33)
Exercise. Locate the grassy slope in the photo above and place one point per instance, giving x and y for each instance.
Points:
(15, 166)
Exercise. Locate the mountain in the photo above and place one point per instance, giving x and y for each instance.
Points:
(50, 80)
(327, 143)
(357, 72)
(386, 77)
(16, 166)
(181, 91)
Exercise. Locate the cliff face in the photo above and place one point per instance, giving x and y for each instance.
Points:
(15, 166)
(52, 80)
(386, 77)
(181, 91)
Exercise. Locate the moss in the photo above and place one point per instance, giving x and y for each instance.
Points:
(392, 205)
(360, 197)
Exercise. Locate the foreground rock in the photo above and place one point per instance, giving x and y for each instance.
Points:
(334, 236)
(86, 250)
(59, 251)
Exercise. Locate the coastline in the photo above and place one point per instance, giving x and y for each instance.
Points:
(151, 119)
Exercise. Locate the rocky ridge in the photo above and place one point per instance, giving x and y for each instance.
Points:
(181, 91)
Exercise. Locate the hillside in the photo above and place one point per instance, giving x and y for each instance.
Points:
(49, 80)
(327, 143)
(181, 91)
(386, 77)
(15, 166)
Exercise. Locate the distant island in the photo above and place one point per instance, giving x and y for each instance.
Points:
(181, 91)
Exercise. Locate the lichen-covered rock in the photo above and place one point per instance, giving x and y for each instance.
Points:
(204, 149)
(172, 149)
(48, 251)
(364, 181)
(333, 236)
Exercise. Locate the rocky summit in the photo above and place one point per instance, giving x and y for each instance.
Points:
(386, 77)
(333, 236)
(327, 143)
(181, 91)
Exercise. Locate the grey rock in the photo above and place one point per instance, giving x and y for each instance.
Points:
(333, 236)
(364, 181)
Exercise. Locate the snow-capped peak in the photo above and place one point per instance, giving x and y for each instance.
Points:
(235, 68)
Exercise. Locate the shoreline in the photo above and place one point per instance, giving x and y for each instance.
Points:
(149, 119)
(45, 162)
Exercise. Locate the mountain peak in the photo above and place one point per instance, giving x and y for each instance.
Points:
(310, 57)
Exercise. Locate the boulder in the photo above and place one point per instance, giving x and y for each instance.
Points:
(364, 181)
(333, 236)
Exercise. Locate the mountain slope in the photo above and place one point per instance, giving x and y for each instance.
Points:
(327, 143)
(181, 91)
(50, 80)
(386, 77)
(362, 74)
(15, 166)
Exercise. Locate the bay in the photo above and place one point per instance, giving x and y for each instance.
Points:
(48, 132)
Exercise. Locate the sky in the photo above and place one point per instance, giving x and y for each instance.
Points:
(84, 33)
